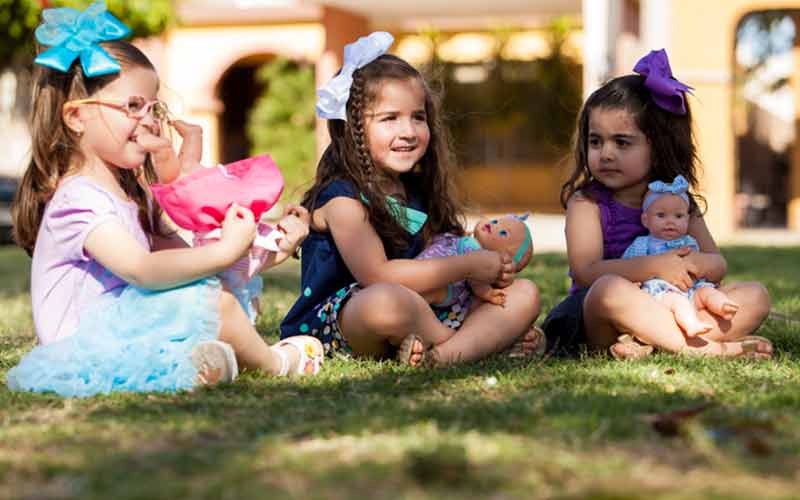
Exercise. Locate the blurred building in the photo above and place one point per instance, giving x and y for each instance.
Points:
(208, 63)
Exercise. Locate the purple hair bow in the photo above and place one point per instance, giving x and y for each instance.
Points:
(668, 93)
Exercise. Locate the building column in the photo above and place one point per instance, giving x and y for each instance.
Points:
(656, 16)
(597, 42)
(793, 206)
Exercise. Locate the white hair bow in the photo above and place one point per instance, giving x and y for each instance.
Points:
(332, 97)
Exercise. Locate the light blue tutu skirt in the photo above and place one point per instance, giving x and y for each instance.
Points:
(140, 341)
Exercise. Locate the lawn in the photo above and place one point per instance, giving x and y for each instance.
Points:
(667, 427)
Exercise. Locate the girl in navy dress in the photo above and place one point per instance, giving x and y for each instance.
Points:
(383, 188)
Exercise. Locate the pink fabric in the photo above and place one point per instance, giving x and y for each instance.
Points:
(65, 280)
(198, 202)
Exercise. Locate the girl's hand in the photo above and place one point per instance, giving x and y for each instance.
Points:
(168, 165)
(295, 229)
(493, 267)
(238, 230)
(710, 266)
(298, 211)
(673, 268)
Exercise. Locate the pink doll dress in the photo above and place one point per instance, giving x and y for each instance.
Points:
(198, 202)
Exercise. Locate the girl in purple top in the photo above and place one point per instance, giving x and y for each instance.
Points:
(117, 304)
(634, 130)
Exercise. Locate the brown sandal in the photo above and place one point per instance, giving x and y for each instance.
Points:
(750, 347)
(406, 349)
(517, 349)
(629, 348)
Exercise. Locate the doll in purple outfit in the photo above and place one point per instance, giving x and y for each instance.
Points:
(507, 234)
(665, 213)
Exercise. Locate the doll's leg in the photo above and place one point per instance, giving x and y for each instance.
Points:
(616, 306)
(387, 312)
(489, 328)
(251, 350)
(754, 305)
(715, 301)
(685, 313)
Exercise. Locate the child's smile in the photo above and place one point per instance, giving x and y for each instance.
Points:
(397, 127)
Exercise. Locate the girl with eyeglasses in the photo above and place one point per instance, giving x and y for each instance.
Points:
(119, 302)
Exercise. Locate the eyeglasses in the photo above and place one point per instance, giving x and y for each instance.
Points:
(135, 106)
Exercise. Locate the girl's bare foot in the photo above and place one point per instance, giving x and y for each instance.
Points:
(750, 347)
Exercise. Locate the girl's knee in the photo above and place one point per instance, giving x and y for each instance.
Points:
(526, 293)
(387, 306)
(756, 297)
(608, 293)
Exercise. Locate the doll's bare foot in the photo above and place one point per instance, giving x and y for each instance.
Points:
(726, 309)
(718, 303)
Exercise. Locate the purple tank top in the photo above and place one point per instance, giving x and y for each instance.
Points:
(621, 224)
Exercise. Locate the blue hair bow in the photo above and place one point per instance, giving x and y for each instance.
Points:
(678, 187)
(668, 93)
(73, 34)
(333, 96)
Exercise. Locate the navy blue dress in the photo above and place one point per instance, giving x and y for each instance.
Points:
(325, 281)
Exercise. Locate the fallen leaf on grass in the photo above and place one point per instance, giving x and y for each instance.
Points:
(671, 424)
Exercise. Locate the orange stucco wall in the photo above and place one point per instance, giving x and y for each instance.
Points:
(702, 54)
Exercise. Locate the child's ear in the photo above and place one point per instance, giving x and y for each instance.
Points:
(72, 119)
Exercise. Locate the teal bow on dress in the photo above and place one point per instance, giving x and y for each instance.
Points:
(72, 34)
(409, 218)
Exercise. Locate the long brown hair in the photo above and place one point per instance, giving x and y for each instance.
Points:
(348, 158)
(55, 150)
(672, 144)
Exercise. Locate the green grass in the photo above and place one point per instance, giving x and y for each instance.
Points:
(499, 428)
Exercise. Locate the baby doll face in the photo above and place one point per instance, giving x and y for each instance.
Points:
(502, 234)
(667, 217)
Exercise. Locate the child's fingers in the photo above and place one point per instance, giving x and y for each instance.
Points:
(245, 213)
(683, 251)
(298, 211)
(237, 212)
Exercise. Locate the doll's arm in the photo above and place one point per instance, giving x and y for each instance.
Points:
(169, 166)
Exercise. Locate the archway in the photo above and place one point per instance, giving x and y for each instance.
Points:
(237, 90)
(764, 117)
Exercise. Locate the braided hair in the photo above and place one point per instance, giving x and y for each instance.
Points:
(347, 157)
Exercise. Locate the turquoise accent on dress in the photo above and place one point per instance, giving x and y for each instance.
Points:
(409, 218)
(140, 341)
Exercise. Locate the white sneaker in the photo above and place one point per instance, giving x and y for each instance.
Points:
(215, 363)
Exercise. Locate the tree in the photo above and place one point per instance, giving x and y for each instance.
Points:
(282, 121)
(19, 19)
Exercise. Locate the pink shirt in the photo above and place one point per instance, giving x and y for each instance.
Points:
(65, 280)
